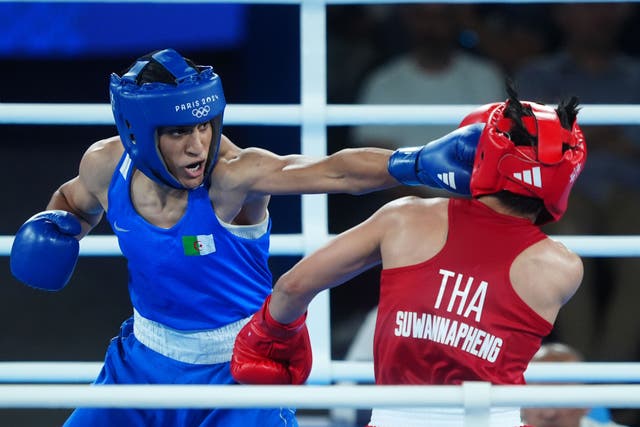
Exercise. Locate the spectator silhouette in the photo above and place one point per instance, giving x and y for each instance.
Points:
(510, 34)
(564, 417)
(435, 70)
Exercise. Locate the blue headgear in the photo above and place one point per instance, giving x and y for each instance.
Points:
(139, 110)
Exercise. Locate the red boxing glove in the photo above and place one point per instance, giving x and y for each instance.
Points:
(269, 352)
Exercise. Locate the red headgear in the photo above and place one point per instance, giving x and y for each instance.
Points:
(544, 171)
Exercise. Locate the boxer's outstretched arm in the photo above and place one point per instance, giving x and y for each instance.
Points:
(360, 170)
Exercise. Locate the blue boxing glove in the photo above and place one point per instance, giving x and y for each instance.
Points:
(45, 251)
(445, 163)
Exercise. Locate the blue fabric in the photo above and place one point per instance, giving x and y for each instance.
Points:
(227, 282)
(600, 414)
(129, 362)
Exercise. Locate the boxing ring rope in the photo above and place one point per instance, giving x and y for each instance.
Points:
(313, 115)
(341, 371)
(291, 115)
(294, 244)
(475, 397)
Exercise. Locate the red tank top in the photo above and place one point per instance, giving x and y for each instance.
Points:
(456, 316)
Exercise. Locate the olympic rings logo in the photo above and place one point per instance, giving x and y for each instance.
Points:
(200, 112)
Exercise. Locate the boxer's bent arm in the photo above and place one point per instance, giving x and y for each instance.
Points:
(71, 197)
(347, 255)
(45, 248)
(85, 195)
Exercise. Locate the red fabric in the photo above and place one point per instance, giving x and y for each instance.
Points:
(268, 352)
(427, 335)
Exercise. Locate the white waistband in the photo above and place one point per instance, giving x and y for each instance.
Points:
(439, 417)
(197, 347)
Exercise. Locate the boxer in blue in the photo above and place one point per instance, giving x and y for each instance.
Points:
(189, 209)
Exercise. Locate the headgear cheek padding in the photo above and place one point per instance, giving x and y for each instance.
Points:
(543, 171)
(139, 110)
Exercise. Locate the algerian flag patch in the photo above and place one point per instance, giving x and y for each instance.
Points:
(198, 245)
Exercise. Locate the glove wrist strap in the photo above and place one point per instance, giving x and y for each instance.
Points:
(402, 165)
(281, 330)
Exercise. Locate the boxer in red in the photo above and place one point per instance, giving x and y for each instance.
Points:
(469, 286)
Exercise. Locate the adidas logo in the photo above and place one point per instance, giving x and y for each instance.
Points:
(530, 176)
(448, 179)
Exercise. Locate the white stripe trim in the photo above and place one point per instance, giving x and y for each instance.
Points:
(124, 167)
(537, 177)
(448, 178)
(204, 347)
(253, 232)
(530, 176)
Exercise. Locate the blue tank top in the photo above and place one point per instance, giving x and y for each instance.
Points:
(195, 275)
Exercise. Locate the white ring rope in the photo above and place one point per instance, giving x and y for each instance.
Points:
(291, 115)
(294, 244)
(341, 371)
(551, 372)
(310, 396)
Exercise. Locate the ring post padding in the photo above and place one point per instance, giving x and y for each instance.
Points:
(477, 402)
(315, 222)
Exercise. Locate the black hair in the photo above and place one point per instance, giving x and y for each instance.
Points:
(567, 111)
(154, 72)
(515, 111)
